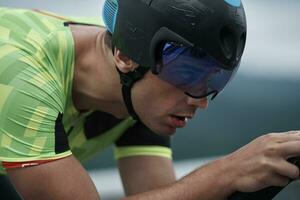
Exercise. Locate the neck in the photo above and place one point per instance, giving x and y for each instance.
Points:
(96, 84)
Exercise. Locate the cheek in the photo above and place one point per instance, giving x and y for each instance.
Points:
(155, 97)
(154, 101)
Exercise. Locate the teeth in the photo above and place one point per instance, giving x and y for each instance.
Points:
(185, 119)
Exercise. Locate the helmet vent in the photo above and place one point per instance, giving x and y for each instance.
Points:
(227, 43)
(110, 10)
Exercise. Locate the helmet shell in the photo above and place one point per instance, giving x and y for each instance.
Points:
(140, 28)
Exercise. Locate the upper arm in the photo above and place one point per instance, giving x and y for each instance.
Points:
(143, 173)
(61, 179)
(144, 160)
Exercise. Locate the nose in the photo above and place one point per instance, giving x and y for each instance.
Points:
(199, 103)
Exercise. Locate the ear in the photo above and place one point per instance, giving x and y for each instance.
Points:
(123, 62)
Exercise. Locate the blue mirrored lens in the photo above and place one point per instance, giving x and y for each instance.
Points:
(194, 72)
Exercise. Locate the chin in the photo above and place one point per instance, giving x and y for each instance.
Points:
(164, 131)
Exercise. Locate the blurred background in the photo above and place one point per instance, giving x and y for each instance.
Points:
(264, 97)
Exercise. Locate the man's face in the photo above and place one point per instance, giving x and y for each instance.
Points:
(161, 106)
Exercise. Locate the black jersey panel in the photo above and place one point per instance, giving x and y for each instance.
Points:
(139, 134)
(98, 123)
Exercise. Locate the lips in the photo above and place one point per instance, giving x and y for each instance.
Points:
(178, 121)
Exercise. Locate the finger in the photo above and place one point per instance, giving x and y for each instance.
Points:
(293, 132)
(292, 135)
(290, 149)
(280, 181)
(287, 169)
(284, 136)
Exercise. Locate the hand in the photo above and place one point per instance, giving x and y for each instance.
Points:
(263, 162)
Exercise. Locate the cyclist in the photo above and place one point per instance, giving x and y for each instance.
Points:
(69, 89)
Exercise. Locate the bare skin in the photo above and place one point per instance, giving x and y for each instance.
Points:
(259, 164)
(62, 179)
(144, 173)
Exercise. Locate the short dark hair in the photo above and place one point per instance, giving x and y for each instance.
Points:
(108, 39)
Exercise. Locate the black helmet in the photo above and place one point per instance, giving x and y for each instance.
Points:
(140, 28)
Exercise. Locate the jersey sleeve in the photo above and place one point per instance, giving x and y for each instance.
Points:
(36, 52)
(31, 109)
(140, 140)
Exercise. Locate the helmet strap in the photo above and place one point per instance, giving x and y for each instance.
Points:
(128, 80)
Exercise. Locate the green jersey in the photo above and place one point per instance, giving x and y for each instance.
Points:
(38, 120)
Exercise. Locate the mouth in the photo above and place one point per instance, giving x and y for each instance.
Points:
(178, 121)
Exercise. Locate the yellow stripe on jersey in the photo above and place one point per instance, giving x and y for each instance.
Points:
(6, 50)
(35, 121)
(5, 140)
(147, 150)
(5, 91)
(4, 33)
(25, 159)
